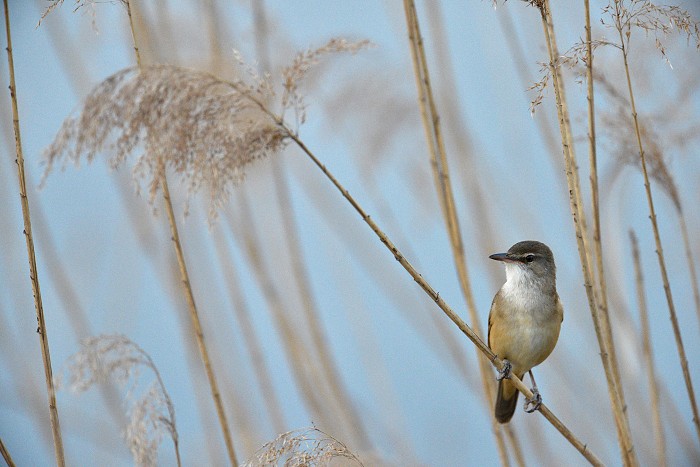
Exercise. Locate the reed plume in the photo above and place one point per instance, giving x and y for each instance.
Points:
(151, 415)
(303, 447)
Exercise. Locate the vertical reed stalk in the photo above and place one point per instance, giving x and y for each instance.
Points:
(595, 202)
(3, 450)
(31, 254)
(187, 287)
(438, 162)
(648, 355)
(655, 226)
(196, 323)
(578, 215)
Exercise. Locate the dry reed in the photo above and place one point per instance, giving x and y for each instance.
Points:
(6, 455)
(304, 447)
(31, 255)
(116, 358)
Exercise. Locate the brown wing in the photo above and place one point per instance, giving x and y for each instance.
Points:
(488, 335)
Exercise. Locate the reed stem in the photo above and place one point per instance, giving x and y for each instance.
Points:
(435, 296)
(6, 455)
(187, 287)
(31, 254)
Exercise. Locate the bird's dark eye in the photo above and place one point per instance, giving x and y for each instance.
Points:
(530, 258)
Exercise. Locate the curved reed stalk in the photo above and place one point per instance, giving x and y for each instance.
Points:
(189, 94)
(31, 254)
(648, 354)
(435, 296)
(576, 205)
(187, 287)
(617, 17)
(595, 203)
(440, 168)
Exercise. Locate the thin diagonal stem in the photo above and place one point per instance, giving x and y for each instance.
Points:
(196, 323)
(3, 450)
(655, 228)
(439, 165)
(33, 274)
(435, 296)
(418, 278)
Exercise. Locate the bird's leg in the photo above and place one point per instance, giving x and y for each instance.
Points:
(533, 404)
(505, 371)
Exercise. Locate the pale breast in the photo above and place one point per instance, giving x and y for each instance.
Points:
(524, 327)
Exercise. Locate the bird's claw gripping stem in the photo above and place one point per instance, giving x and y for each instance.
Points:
(505, 371)
(533, 404)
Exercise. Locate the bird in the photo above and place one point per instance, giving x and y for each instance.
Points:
(524, 321)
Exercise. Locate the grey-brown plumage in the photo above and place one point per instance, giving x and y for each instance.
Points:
(525, 316)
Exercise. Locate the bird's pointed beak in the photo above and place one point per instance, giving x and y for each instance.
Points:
(502, 257)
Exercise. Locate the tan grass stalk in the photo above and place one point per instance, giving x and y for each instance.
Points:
(657, 167)
(600, 291)
(439, 165)
(648, 355)
(33, 274)
(187, 287)
(595, 202)
(576, 205)
(654, 224)
(196, 323)
(6, 455)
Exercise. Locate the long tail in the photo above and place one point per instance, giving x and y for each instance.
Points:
(506, 401)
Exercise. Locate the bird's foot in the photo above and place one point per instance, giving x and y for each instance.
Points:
(505, 371)
(533, 404)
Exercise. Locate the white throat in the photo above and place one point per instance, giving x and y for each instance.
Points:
(524, 287)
